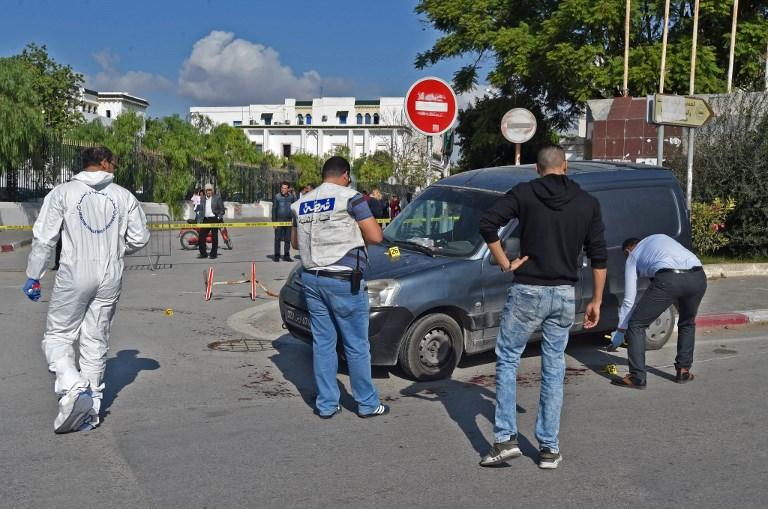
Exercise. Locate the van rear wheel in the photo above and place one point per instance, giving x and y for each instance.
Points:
(660, 330)
(432, 347)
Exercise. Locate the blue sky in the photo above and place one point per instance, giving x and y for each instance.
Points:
(178, 53)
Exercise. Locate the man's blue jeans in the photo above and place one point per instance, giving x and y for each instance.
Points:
(335, 311)
(529, 307)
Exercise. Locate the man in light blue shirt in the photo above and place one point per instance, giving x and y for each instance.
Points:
(676, 277)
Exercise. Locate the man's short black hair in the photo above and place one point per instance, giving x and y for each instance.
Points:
(550, 156)
(93, 156)
(335, 166)
(285, 183)
(630, 242)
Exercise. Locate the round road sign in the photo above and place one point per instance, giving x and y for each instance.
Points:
(518, 125)
(430, 106)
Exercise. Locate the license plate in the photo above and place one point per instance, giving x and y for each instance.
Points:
(297, 317)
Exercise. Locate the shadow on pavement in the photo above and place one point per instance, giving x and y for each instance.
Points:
(465, 402)
(590, 350)
(294, 360)
(122, 371)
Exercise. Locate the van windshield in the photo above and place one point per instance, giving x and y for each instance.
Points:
(444, 220)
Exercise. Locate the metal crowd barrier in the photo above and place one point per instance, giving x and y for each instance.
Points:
(160, 238)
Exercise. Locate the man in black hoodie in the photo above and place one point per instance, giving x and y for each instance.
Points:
(557, 219)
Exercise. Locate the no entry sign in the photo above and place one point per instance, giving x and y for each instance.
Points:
(430, 106)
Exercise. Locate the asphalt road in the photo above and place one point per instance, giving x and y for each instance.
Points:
(188, 426)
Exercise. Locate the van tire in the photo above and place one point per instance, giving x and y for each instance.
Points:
(658, 333)
(432, 347)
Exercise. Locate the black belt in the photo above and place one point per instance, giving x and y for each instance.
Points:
(344, 276)
(680, 271)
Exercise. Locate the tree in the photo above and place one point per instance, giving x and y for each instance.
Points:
(308, 168)
(58, 89)
(482, 144)
(21, 119)
(377, 167)
(560, 53)
(732, 162)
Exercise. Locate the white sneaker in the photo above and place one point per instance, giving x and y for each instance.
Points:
(74, 408)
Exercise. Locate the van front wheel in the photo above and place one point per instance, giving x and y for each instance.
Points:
(432, 347)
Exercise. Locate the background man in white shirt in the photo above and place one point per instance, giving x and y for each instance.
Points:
(676, 277)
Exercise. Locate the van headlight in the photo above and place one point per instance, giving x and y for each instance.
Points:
(382, 292)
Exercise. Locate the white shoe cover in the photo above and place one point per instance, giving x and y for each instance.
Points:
(74, 408)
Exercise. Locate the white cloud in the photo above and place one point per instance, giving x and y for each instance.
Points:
(223, 70)
(110, 79)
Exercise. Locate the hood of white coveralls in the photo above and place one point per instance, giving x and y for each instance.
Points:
(96, 179)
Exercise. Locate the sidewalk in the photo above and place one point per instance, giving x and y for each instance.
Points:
(13, 240)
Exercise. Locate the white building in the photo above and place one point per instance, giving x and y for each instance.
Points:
(318, 126)
(106, 106)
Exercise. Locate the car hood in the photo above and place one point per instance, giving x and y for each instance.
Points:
(383, 266)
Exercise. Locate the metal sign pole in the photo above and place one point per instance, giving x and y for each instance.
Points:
(691, 131)
(517, 154)
(733, 44)
(429, 160)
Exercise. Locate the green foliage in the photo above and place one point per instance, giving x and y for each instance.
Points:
(22, 125)
(58, 89)
(377, 167)
(482, 144)
(708, 223)
(308, 168)
(731, 159)
(560, 53)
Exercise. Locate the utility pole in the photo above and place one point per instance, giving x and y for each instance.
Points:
(625, 88)
(660, 129)
(733, 43)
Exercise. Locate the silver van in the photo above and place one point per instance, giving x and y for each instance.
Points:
(442, 297)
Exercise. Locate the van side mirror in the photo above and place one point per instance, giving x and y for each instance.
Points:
(511, 247)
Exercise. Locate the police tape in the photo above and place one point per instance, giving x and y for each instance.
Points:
(193, 226)
(256, 224)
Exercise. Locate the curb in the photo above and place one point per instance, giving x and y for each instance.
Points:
(7, 248)
(736, 318)
(723, 270)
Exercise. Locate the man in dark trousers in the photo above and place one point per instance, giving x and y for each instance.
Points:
(211, 211)
(676, 277)
(281, 211)
(556, 220)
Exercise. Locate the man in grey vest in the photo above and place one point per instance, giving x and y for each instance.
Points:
(281, 211)
(331, 225)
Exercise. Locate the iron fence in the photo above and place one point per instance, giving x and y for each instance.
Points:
(57, 161)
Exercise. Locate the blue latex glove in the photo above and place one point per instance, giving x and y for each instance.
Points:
(32, 289)
(617, 338)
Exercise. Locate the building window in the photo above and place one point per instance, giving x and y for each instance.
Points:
(259, 147)
(367, 118)
(109, 113)
(359, 118)
(266, 118)
(375, 118)
(237, 123)
(300, 119)
(341, 117)
(309, 119)
(286, 150)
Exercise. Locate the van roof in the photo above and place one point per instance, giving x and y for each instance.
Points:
(586, 173)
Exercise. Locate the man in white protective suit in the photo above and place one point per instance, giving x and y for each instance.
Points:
(99, 222)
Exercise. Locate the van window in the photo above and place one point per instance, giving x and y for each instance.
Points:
(443, 219)
(638, 212)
